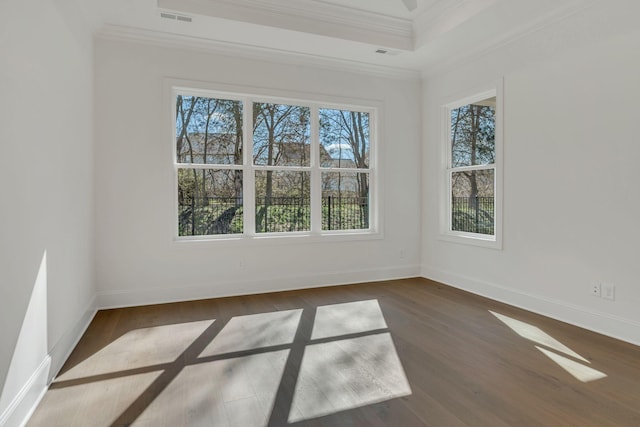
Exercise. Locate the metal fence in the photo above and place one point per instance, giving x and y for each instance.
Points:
(473, 214)
(283, 214)
(210, 215)
(345, 213)
(223, 215)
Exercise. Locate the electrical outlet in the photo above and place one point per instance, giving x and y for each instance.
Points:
(595, 290)
(608, 291)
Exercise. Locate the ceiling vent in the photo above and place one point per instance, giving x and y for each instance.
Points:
(175, 17)
(390, 52)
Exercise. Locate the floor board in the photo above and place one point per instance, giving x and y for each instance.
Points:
(398, 353)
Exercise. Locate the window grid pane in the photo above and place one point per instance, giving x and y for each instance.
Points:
(283, 201)
(472, 201)
(210, 202)
(208, 130)
(345, 200)
(473, 134)
(281, 135)
(344, 139)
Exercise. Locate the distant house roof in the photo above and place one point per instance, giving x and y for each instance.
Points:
(339, 163)
(220, 148)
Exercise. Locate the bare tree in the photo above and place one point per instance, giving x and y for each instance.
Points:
(280, 133)
(472, 142)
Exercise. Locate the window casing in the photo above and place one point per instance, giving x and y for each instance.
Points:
(472, 190)
(299, 168)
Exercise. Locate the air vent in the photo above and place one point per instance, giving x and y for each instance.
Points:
(388, 52)
(175, 17)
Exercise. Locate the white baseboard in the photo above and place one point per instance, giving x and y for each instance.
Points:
(25, 402)
(603, 323)
(62, 349)
(215, 289)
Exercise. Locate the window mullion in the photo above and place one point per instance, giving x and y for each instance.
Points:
(248, 181)
(316, 190)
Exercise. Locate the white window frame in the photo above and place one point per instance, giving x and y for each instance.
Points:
(446, 231)
(249, 169)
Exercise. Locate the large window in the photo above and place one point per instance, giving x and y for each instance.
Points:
(253, 166)
(472, 142)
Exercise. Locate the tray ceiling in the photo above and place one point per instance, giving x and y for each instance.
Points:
(346, 31)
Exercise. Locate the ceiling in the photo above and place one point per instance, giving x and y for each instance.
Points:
(381, 35)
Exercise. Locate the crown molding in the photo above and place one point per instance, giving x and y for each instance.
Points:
(178, 41)
(323, 19)
(553, 17)
(443, 16)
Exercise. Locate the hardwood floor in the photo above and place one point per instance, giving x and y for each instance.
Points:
(398, 353)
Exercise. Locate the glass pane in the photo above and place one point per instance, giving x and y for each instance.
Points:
(344, 139)
(345, 201)
(281, 135)
(208, 130)
(472, 201)
(282, 201)
(473, 134)
(209, 202)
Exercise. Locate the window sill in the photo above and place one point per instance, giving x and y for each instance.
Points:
(472, 240)
(275, 239)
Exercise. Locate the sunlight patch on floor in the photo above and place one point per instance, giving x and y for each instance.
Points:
(95, 404)
(344, 372)
(347, 374)
(346, 359)
(255, 331)
(347, 318)
(537, 335)
(139, 348)
(230, 392)
(577, 369)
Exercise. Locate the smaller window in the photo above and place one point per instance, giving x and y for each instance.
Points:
(472, 140)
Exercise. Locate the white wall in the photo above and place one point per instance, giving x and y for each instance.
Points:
(137, 261)
(571, 202)
(46, 214)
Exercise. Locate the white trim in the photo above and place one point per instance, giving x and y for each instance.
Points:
(312, 17)
(277, 239)
(554, 15)
(603, 323)
(62, 349)
(316, 174)
(446, 233)
(444, 16)
(25, 402)
(239, 50)
(212, 289)
(314, 102)
(248, 174)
